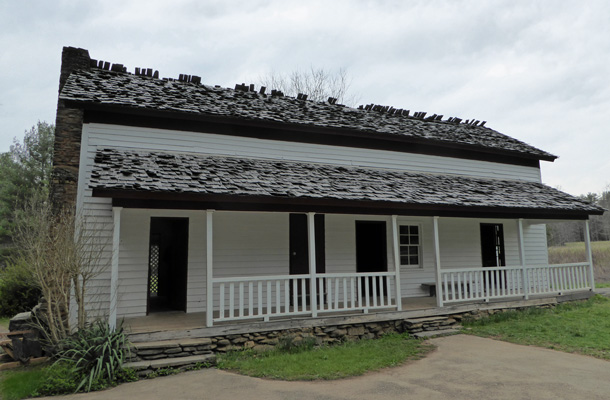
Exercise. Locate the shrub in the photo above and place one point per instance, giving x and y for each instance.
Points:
(95, 354)
(18, 291)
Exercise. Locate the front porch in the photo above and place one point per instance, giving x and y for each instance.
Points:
(179, 326)
(229, 268)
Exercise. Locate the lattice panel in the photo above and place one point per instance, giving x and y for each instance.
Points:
(154, 270)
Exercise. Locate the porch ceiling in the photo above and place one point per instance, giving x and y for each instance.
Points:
(147, 179)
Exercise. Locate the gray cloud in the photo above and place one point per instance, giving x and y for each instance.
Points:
(535, 70)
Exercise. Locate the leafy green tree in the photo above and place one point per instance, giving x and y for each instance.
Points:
(25, 173)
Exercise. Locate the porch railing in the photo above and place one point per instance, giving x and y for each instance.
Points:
(268, 297)
(465, 284)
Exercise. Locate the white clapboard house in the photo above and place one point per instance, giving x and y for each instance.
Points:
(245, 205)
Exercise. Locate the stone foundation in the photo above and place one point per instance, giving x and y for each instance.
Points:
(327, 335)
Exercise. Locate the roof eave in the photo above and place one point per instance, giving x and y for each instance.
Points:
(184, 200)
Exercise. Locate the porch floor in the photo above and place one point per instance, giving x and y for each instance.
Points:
(178, 320)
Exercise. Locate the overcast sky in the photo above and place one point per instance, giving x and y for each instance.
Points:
(535, 70)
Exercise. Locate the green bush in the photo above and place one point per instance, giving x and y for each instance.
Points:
(18, 292)
(95, 355)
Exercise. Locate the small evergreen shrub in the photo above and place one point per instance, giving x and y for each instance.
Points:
(18, 292)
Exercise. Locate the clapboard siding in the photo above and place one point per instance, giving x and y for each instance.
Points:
(207, 143)
(251, 244)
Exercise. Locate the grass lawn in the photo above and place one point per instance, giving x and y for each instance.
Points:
(20, 383)
(327, 362)
(582, 327)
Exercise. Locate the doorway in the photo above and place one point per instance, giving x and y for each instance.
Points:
(371, 250)
(492, 245)
(167, 264)
(299, 249)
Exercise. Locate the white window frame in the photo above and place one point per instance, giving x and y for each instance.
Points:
(420, 251)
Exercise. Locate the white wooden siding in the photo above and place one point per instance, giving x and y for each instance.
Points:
(208, 143)
(257, 243)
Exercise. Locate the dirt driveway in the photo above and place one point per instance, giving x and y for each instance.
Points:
(463, 367)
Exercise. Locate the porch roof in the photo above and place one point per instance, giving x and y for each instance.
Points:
(141, 178)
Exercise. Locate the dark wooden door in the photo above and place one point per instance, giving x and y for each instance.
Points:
(492, 245)
(299, 247)
(492, 255)
(371, 246)
(168, 264)
(371, 250)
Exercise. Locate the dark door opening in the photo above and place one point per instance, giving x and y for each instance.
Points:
(492, 254)
(492, 245)
(168, 264)
(299, 248)
(371, 249)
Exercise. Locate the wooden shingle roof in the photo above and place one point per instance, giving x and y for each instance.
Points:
(117, 90)
(149, 173)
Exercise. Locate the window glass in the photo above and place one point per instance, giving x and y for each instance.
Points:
(409, 245)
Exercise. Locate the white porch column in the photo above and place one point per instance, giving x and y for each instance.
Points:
(524, 277)
(396, 250)
(589, 255)
(437, 263)
(114, 266)
(209, 254)
(311, 235)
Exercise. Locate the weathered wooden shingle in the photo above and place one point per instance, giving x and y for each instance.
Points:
(117, 89)
(186, 173)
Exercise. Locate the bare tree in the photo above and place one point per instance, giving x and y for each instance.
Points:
(317, 83)
(64, 255)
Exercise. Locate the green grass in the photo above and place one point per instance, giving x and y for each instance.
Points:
(335, 362)
(582, 327)
(602, 284)
(4, 323)
(21, 383)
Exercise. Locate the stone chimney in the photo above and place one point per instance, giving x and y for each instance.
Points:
(68, 132)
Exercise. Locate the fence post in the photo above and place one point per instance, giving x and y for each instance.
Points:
(313, 285)
(589, 255)
(437, 262)
(524, 275)
(396, 250)
(114, 267)
(209, 252)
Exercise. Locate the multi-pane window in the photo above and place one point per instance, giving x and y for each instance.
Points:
(410, 245)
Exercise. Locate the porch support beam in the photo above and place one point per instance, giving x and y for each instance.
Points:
(114, 266)
(437, 263)
(589, 254)
(209, 255)
(311, 235)
(396, 250)
(524, 277)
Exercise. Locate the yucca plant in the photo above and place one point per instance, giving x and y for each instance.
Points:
(97, 353)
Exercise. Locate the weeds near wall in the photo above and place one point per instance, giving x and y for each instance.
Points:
(63, 255)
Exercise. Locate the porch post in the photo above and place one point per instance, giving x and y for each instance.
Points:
(209, 285)
(589, 255)
(524, 277)
(396, 250)
(311, 235)
(437, 263)
(114, 266)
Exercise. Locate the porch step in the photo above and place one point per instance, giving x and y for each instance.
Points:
(169, 344)
(437, 333)
(179, 362)
(165, 350)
